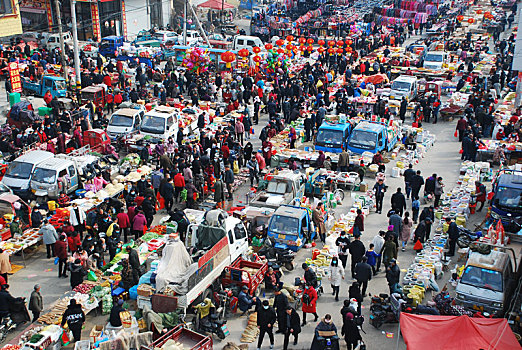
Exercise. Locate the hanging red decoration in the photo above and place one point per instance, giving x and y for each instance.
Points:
(321, 50)
(310, 41)
(460, 18)
(321, 42)
(310, 48)
(228, 57)
(290, 38)
(280, 51)
(257, 59)
(479, 12)
(269, 46)
(471, 21)
(340, 43)
(340, 51)
(243, 53)
(280, 42)
(256, 49)
(302, 40)
(331, 51)
(331, 43)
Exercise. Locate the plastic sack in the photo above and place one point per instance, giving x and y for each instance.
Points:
(184, 194)
(91, 276)
(236, 167)
(65, 339)
(56, 260)
(456, 134)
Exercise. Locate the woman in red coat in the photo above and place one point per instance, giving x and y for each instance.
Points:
(309, 302)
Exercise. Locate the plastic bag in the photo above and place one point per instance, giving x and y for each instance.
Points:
(56, 260)
(65, 339)
(456, 134)
(91, 276)
(184, 194)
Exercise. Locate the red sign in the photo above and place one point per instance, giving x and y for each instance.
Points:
(212, 252)
(49, 13)
(124, 19)
(14, 75)
(96, 29)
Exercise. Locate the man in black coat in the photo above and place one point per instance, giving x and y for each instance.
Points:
(393, 274)
(453, 235)
(363, 273)
(416, 183)
(398, 202)
(74, 317)
(266, 318)
(280, 305)
(408, 177)
(427, 212)
(357, 251)
(292, 326)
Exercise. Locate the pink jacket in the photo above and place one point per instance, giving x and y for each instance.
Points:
(99, 182)
(139, 222)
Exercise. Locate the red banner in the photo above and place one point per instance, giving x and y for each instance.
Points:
(124, 19)
(49, 13)
(14, 75)
(96, 29)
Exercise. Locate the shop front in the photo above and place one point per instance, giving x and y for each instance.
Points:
(34, 15)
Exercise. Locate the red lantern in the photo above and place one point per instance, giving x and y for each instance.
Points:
(321, 42)
(479, 12)
(339, 51)
(321, 50)
(331, 51)
(310, 48)
(228, 57)
(243, 53)
(257, 59)
(280, 51)
(280, 42)
(340, 43)
(310, 41)
(256, 49)
(289, 47)
(302, 40)
(460, 18)
(350, 42)
(471, 21)
(331, 43)
(290, 38)
(269, 46)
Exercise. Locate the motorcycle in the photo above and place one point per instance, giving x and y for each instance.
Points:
(211, 323)
(385, 309)
(6, 326)
(280, 256)
(328, 341)
(466, 237)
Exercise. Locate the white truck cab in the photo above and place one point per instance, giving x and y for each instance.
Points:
(19, 173)
(124, 121)
(246, 42)
(161, 123)
(53, 41)
(435, 60)
(404, 86)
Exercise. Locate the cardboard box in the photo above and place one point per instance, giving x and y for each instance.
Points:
(363, 187)
(145, 290)
(96, 332)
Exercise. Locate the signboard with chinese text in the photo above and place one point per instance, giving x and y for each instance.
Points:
(14, 75)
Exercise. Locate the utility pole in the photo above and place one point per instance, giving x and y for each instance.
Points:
(199, 25)
(62, 46)
(185, 23)
(76, 48)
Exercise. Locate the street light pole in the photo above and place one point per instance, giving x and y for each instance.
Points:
(76, 48)
(185, 23)
(62, 46)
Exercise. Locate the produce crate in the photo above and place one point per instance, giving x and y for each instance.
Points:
(145, 290)
(82, 345)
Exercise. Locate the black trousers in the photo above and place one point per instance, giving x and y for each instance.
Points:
(50, 249)
(354, 262)
(137, 234)
(415, 193)
(287, 338)
(169, 203)
(343, 259)
(364, 285)
(125, 234)
(336, 291)
(379, 260)
(452, 243)
(281, 321)
(36, 315)
(77, 332)
(262, 332)
(378, 203)
(62, 267)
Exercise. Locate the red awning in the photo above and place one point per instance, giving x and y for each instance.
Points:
(216, 5)
(376, 78)
(429, 332)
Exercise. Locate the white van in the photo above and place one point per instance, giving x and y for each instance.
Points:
(435, 60)
(19, 173)
(246, 42)
(124, 121)
(166, 36)
(53, 40)
(161, 122)
(404, 86)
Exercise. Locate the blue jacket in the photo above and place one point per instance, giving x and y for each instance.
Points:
(372, 257)
(244, 301)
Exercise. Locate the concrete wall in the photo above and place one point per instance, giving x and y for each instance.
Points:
(138, 17)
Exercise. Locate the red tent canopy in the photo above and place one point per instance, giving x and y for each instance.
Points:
(376, 78)
(216, 5)
(429, 332)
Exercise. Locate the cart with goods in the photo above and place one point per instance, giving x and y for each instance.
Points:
(245, 273)
(181, 338)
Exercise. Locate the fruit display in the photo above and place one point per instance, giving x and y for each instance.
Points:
(83, 288)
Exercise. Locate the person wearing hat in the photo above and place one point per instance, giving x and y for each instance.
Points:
(74, 317)
(78, 272)
(393, 274)
(350, 331)
(357, 251)
(36, 302)
(245, 301)
(379, 188)
(453, 235)
(293, 326)
(114, 318)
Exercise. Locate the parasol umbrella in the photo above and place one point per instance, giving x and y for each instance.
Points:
(216, 5)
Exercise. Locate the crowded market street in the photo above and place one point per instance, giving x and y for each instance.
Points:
(271, 115)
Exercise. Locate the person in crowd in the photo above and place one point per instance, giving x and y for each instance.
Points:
(5, 265)
(309, 302)
(343, 243)
(318, 219)
(293, 326)
(266, 318)
(363, 274)
(357, 251)
(280, 306)
(398, 202)
(325, 328)
(114, 318)
(393, 275)
(407, 225)
(36, 302)
(379, 189)
(49, 237)
(245, 301)
(74, 317)
(77, 272)
(453, 235)
(336, 275)
(480, 194)
(389, 251)
(60, 249)
(350, 331)
(358, 224)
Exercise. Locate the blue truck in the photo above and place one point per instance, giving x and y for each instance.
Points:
(109, 45)
(373, 136)
(291, 226)
(506, 203)
(332, 137)
(55, 85)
